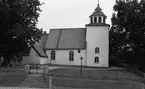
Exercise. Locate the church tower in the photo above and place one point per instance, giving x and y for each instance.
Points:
(97, 37)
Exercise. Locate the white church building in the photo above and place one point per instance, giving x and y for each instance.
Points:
(75, 46)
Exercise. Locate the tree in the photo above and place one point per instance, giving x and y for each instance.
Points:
(18, 20)
(127, 34)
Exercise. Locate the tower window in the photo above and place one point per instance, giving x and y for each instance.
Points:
(99, 19)
(97, 50)
(71, 56)
(91, 20)
(52, 55)
(95, 19)
(104, 19)
(96, 60)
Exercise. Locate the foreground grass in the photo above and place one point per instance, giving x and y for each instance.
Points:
(11, 77)
(93, 84)
(92, 73)
(91, 78)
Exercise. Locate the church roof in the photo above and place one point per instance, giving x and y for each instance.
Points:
(39, 50)
(39, 46)
(42, 41)
(70, 38)
(98, 12)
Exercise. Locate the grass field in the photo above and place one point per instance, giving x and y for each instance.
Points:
(82, 83)
(92, 73)
(97, 79)
(11, 77)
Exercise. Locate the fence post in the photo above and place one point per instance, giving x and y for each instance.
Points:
(117, 75)
(46, 69)
(50, 81)
(45, 74)
(37, 69)
(142, 86)
(27, 70)
(102, 74)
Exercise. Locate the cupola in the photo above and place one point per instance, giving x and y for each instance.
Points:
(98, 16)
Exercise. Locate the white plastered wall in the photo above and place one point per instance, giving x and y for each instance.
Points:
(97, 36)
(33, 59)
(62, 57)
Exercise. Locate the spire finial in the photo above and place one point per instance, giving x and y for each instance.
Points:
(98, 7)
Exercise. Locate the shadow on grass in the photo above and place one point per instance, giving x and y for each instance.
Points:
(11, 77)
(70, 77)
(85, 83)
(92, 74)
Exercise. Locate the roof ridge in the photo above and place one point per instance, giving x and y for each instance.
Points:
(66, 28)
(59, 39)
(38, 51)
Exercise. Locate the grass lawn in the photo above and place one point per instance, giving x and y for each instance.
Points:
(92, 73)
(82, 83)
(11, 77)
(70, 77)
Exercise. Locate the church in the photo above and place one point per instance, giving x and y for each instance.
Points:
(80, 46)
(87, 46)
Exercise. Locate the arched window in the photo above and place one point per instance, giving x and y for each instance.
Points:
(91, 20)
(95, 19)
(99, 19)
(71, 56)
(96, 60)
(52, 55)
(97, 50)
(104, 19)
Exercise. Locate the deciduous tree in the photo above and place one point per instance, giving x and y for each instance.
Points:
(127, 34)
(18, 30)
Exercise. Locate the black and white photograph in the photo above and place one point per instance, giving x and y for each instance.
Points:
(72, 44)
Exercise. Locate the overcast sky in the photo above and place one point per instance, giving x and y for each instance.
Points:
(71, 13)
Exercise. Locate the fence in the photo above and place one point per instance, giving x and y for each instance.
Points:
(27, 70)
(47, 77)
(36, 68)
(33, 68)
(99, 78)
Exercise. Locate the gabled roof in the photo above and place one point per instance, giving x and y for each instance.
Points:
(39, 46)
(70, 38)
(42, 41)
(52, 39)
(39, 50)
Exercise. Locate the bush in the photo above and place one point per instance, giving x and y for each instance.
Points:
(114, 62)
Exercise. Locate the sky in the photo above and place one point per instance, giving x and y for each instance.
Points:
(71, 13)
